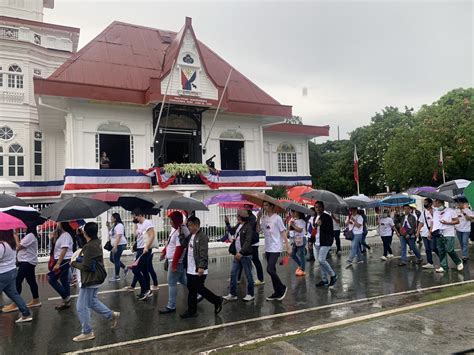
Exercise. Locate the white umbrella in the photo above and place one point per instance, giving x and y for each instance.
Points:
(454, 187)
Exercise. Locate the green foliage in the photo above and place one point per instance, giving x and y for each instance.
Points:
(186, 169)
(277, 192)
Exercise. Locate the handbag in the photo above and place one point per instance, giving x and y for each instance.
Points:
(232, 248)
(108, 246)
(348, 234)
(134, 264)
(167, 264)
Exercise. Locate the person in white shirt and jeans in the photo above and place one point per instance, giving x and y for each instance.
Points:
(463, 228)
(424, 223)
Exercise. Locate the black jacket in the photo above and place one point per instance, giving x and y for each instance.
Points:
(200, 249)
(246, 234)
(326, 230)
(411, 221)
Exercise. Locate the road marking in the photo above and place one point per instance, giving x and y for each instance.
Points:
(272, 316)
(344, 322)
(103, 292)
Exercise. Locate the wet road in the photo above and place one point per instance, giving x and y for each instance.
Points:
(52, 332)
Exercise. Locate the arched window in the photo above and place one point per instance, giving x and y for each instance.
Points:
(6, 133)
(287, 158)
(232, 134)
(232, 144)
(16, 160)
(15, 77)
(1, 161)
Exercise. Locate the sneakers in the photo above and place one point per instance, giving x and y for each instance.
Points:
(114, 279)
(322, 283)
(259, 283)
(12, 307)
(230, 297)
(114, 319)
(360, 261)
(428, 266)
(333, 280)
(460, 266)
(24, 319)
(33, 303)
(390, 256)
(144, 296)
(65, 305)
(218, 307)
(440, 270)
(166, 310)
(154, 288)
(383, 258)
(248, 298)
(128, 288)
(84, 337)
(273, 297)
(283, 295)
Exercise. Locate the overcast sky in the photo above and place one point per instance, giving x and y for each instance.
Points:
(354, 57)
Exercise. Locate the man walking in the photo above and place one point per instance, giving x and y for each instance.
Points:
(324, 224)
(407, 230)
(424, 224)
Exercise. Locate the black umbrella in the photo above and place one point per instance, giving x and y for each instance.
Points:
(182, 203)
(435, 195)
(29, 215)
(74, 208)
(336, 208)
(7, 200)
(297, 207)
(145, 204)
(326, 197)
(353, 203)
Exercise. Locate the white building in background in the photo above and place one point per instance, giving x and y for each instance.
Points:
(28, 48)
(60, 109)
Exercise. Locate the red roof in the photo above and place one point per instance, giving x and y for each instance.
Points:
(126, 63)
(299, 129)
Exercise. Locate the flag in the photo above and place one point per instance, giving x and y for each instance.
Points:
(356, 165)
(440, 164)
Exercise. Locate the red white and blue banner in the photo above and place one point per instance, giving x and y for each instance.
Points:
(40, 188)
(289, 180)
(162, 177)
(235, 178)
(95, 179)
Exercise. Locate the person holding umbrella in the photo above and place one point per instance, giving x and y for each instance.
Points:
(255, 244)
(355, 226)
(407, 230)
(324, 240)
(62, 251)
(8, 274)
(27, 258)
(424, 223)
(463, 228)
(297, 234)
(274, 230)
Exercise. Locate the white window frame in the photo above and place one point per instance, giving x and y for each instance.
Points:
(38, 138)
(20, 153)
(287, 161)
(15, 77)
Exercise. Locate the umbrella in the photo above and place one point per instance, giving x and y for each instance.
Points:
(356, 203)
(110, 198)
(74, 208)
(469, 193)
(435, 195)
(145, 204)
(239, 205)
(460, 198)
(182, 203)
(295, 193)
(416, 190)
(297, 207)
(336, 208)
(29, 215)
(222, 198)
(7, 200)
(326, 197)
(259, 198)
(397, 200)
(8, 222)
(454, 187)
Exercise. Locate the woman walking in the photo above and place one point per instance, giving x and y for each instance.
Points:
(27, 257)
(8, 274)
(90, 262)
(355, 224)
(386, 229)
(297, 234)
(118, 242)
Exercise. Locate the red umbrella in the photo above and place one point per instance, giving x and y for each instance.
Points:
(295, 193)
(108, 197)
(8, 222)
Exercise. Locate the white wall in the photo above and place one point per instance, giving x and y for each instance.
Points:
(26, 9)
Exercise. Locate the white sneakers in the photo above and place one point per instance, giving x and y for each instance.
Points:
(248, 298)
(383, 258)
(428, 266)
(230, 297)
(154, 288)
(440, 270)
(84, 337)
(114, 319)
(390, 256)
(24, 319)
(460, 266)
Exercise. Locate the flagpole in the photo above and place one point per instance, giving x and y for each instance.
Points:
(356, 169)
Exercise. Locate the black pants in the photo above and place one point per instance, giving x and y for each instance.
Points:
(272, 259)
(195, 287)
(337, 238)
(387, 244)
(141, 271)
(27, 271)
(256, 262)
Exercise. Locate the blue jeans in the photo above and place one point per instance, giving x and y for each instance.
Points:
(173, 279)
(245, 262)
(411, 242)
(324, 267)
(61, 282)
(430, 247)
(298, 255)
(355, 248)
(115, 259)
(8, 285)
(86, 301)
(463, 238)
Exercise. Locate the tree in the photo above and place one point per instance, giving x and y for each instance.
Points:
(294, 120)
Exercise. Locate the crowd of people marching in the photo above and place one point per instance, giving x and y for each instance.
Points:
(306, 238)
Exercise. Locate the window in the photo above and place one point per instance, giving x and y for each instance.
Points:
(15, 81)
(6, 133)
(16, 160)
(287, 158)
(38, 157)
(1, 161)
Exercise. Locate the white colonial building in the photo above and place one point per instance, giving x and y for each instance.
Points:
(61, 109)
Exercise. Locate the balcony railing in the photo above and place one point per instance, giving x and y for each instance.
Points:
(10, 97)
(25, 34)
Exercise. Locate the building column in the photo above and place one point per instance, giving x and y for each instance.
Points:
(69, 141)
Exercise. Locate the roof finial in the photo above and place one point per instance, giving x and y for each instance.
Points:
(189, 21)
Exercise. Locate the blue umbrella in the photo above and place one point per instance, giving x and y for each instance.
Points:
(397, 200)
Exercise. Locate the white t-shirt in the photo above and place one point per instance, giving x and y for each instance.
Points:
(464, 225)
(7, 258)
(191, 262)
(172, 244)
(317, 240)
(64, 241)
(272, 226)
(142, 229)
(335, 224)
(385, 226)
(115, 231)
(447, 215)
(426, 223)
(30, 253)
(406, 222)
(357, 230)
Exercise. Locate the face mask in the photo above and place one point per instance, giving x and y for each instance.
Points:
(135, 220)
(439, 208)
